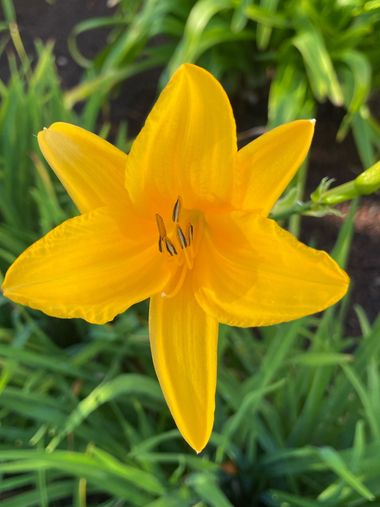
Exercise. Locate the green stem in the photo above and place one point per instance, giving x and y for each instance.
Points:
(298, 209)
(295, 218)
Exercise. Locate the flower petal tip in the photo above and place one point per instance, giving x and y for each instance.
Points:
(342, 286)
(44, 135)
(41, 134)
(190, 67)
(58, 125)
(194, 70)
(4, 286)
(198, 444)
(345, 283)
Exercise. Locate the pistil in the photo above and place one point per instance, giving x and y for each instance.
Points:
(178, 280)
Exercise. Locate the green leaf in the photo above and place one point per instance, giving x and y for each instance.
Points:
(318, 64)
(264, 30)
(207, 489)
(289, 81)
(129, 384)
(361, 72)
(315, 359)
(336, 463)
(198, 19)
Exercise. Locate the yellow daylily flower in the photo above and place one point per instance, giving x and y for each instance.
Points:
(183, 220)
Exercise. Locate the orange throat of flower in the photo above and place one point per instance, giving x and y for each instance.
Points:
(179, 240)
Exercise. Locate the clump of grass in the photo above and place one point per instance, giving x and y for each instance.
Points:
(302, 53)
(298, 416)
(312, 51)
(30, 200)
(83, 421)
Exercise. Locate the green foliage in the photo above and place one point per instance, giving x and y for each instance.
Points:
(297, 416)
(31, 199)
(83, 421)
(309, 50)
(26, 195)
(313, 50)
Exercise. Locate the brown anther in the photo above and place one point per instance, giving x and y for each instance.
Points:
(177, 210)
(181, 237)
(190, 233)
(170, 247)
(161, 226)
(160, 244)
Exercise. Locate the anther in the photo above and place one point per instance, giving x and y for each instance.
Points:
(190, 233)
(170, 247)
(160, 226)
(181, 237)
(160, 244)
(177, 210)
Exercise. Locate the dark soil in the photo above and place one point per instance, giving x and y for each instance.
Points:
(38, 19)
(54, 20)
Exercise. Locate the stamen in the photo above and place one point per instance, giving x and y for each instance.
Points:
(188, 259)
(190, 233)
(174, 291)
(181, 237)
(184, 245)
(190, 250)
(179, 240)
(177, 210)
(170, 247)
(161, 226)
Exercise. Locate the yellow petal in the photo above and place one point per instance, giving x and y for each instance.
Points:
(187, 146)
(88, 267)
(90, 168)
(184, 349)
(266, 165)
(250, 272)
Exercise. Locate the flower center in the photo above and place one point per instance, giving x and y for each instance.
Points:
(176, 240)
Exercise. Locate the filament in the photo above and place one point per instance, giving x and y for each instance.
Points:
(178, 284)
(188, 259)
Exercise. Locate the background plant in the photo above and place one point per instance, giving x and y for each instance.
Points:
(311, 50)
(83, 421)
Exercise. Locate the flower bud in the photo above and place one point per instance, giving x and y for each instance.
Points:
(368, 181)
